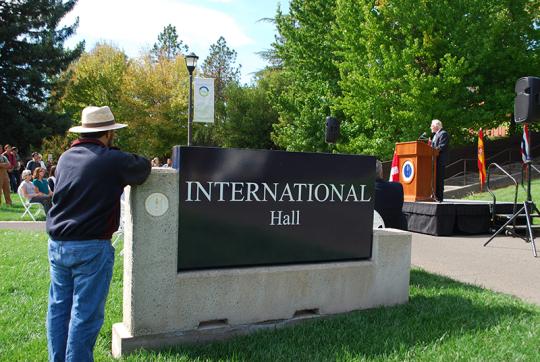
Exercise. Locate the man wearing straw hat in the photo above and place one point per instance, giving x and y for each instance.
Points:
(90, 178)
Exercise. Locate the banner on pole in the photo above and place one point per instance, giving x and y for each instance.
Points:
(203, 109)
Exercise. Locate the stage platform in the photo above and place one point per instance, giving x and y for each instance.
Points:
(452, 217)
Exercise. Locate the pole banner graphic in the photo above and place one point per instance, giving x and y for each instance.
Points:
(203, 108)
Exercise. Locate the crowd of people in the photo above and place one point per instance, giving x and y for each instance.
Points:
(157, 163)
(34, 179)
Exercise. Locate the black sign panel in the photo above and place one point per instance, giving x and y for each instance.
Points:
(257, 207)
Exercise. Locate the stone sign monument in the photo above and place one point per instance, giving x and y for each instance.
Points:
(242, 240)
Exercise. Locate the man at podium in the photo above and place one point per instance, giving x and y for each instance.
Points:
(440, 142)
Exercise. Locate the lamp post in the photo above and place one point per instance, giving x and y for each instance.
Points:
(191, 64)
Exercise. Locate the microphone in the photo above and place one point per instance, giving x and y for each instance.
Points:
(422, 137)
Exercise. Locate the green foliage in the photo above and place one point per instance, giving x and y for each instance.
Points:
(168, 45)
(386, 68)
(306, 47)
(155, 102)
(151, 97)
(31, 56)
(406, 62)
(57, 144)
(97, 78)
(249, 115)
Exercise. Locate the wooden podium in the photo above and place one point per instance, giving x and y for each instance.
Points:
(417, 170)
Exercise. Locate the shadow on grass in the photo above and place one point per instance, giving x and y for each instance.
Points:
(438, 308)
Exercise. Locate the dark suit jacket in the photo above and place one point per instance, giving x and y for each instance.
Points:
(389, 204)
(440, 141)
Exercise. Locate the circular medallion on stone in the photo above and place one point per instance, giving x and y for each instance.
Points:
(156, 204)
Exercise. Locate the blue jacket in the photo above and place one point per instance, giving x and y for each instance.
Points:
(90, 179)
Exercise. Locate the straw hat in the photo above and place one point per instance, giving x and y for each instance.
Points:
(97, 119)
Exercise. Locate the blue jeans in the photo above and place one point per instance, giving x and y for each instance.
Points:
(81, 273)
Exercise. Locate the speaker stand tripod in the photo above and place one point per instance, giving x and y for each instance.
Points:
(526, 209)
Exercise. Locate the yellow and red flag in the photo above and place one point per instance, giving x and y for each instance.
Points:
(481, 159)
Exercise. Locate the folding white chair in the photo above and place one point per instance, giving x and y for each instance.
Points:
(378, 222)
(28, 205)
(120, 232)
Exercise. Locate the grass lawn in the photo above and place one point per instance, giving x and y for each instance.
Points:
(507, 193)
(14, 212)
(444, 321)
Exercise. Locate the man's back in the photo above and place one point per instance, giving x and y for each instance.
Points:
(90, 179)
(389, 203)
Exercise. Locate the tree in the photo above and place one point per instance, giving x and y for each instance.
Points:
(220, 65)
(406, 62)
(96, 78)
(156, 105)
(306, 46)
(150, 97)
(250, 116)
(32, 54)
(168, 45)
(387, 67)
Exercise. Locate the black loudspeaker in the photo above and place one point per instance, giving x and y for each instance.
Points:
(332, 130)
(527, 101)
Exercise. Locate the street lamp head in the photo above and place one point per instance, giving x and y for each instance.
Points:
(191, 62)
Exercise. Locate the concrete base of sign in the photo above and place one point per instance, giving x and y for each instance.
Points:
(163, 307)
(124, 343)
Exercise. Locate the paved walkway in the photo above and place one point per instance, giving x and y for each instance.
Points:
(23, 225)
(506, 265)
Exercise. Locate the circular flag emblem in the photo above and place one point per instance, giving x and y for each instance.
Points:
(203, 91)
(407, 171)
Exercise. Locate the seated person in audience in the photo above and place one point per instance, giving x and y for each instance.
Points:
(389, 201)
(168, 164)
(52, 178)
(40, 182)
(155, 162)
(31, 193)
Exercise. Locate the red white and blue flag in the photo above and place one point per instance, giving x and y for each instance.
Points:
(525, 144)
